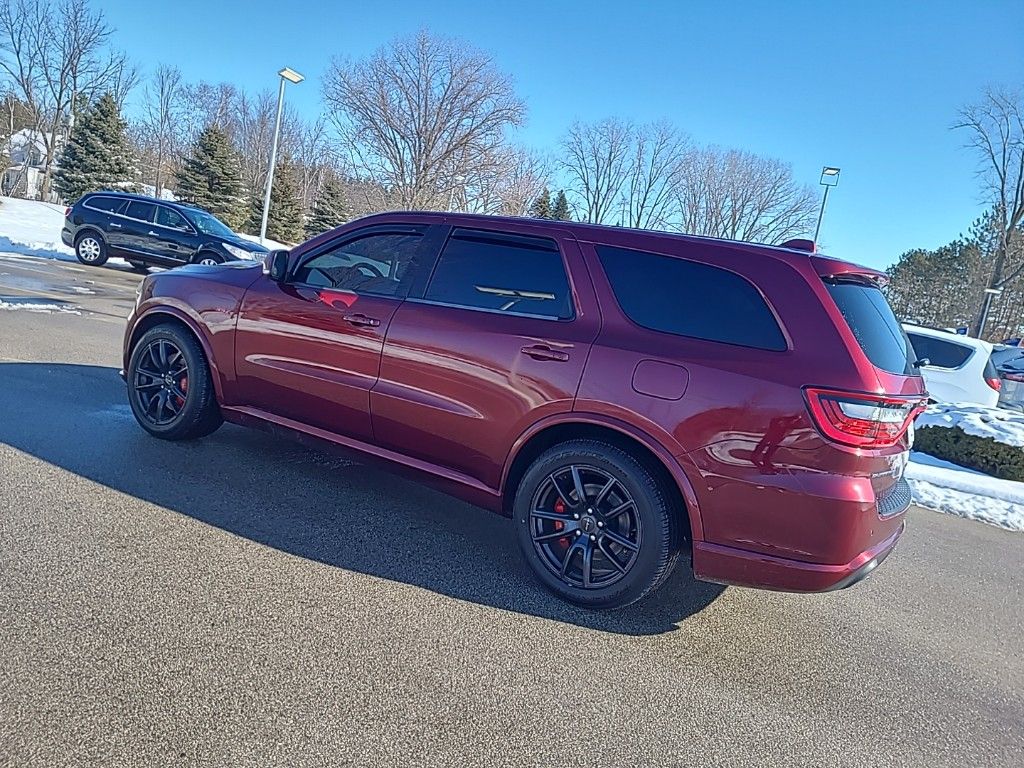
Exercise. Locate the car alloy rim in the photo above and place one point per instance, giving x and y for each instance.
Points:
(585, 526)
(160, 381)
(208, 261)
(89, 248)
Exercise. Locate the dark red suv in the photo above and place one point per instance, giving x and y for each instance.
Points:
(625, 396)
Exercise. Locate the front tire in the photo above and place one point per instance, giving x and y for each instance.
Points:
(595, 525)
(208, 258)
(91, 249)
(170, 387)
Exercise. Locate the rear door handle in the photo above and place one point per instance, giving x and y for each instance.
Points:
(151, 233)
(114, 225)
(362, 320)
(544, 352)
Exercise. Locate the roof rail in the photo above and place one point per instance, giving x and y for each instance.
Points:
(800, 244)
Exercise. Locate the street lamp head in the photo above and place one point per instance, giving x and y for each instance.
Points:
(829, 176)
(291, 75)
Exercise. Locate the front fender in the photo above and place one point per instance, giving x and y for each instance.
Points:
(152, 311)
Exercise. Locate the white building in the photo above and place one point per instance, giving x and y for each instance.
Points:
(26, 152)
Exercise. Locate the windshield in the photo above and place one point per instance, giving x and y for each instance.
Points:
(210, 225)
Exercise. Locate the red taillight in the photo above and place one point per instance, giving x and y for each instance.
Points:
(996, 384)
(67, 212)
(861, 420)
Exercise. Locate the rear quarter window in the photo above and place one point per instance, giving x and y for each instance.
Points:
(104, 203)
(940, 353)
(687, 298)
(874, 325)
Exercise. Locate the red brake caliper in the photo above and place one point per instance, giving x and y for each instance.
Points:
(559, 525)
(184, 389)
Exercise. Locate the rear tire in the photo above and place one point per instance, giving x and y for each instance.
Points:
(170, 386)
(91, 249)
(626, 525)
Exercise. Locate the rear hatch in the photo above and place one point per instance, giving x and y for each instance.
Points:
(879, 421)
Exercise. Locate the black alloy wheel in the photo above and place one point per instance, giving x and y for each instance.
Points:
(160, 380)
(585, 526)
(170, 384)
(598, 525)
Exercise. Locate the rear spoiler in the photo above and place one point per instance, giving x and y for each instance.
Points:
(835, 268)
(827, 267)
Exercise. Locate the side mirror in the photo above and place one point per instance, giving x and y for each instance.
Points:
(275, 265)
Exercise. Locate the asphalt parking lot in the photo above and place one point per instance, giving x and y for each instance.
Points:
(244, 601)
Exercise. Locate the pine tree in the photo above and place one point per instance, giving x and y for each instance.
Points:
(560, 211)
(330, 209)
(98, 155)
(541, 208)
(212, 178)
(284, 220)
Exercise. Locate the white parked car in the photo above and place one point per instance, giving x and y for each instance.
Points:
(959, 368)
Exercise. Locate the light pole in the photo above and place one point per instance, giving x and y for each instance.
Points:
(829, 179)
(292, 77)
(990, 293)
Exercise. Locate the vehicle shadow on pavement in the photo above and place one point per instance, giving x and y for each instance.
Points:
(299, 501)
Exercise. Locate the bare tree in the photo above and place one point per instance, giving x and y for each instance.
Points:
(162, 109)
(503, 183)
(742, 196)
(312, 153)
(597, 159)
(995, 126)
(420, 114)
(57, 57)
(648, 194)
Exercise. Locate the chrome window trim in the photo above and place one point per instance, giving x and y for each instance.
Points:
(499, 312)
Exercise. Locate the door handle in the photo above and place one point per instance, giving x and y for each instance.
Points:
(114, 225)
(544, 352)
(362, 320)
(151, 233)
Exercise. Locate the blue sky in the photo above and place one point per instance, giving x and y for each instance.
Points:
(871, 87)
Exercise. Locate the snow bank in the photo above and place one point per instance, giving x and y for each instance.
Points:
(948, 488)
(31, 228)
(1001, 425)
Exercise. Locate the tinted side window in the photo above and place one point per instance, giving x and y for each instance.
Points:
(380, 263)
(686, 298)
(168, 217)
(940, 353)
(137, 210)
(503, 273)
(102, 203)
(874, 325)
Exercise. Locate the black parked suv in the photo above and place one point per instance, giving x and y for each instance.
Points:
(145, 231)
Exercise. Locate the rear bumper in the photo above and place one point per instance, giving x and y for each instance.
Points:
(728, 565)
(66, 237)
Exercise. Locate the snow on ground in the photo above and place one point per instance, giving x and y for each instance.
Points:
(968, 493)
(31, 228)
(956, 490)
(11, 305)
(1000, 424)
